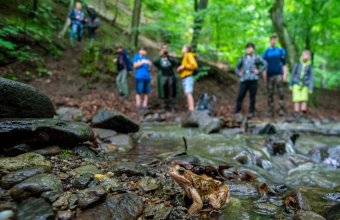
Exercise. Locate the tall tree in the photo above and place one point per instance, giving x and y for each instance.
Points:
(277, 18)
(137, 8)
(200, 11)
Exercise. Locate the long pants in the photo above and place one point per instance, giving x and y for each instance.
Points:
(246, 86)
(272, 83)
(121, 82)
(76, 29)
(91, 31)
(168, 84)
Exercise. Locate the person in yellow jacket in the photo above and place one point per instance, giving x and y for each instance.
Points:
(186, 70)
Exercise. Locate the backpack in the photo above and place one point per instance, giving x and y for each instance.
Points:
(129, 66)
(198, 69)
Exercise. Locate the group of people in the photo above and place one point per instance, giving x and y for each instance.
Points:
(167, 80)
(79, 20)
(250, 68)
(272, 66)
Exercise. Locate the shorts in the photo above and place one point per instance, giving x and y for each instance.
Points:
(300, 93)
(188, 84)
(143, 86)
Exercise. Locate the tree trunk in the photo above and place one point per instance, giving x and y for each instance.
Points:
(34, 8)
(67, 21)
(137, 8)
(287, 42)
(200, 7)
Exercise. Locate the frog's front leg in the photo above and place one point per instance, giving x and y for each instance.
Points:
(219, 198)
(197, 204)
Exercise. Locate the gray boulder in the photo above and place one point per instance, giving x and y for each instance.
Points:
(43, 132)
(124, 206)
(123, 142)
(202, 120)
(36, 186)
(34, 208)
(69, 114)
(23, 161)
(18, 176)
(19, 100)
(115, 121)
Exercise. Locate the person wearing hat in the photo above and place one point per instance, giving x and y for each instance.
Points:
(249, 67)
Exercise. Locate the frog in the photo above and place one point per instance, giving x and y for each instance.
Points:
(202, 189)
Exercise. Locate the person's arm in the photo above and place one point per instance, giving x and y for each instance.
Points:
(292, 76)
(263, 65)
(239, 65)
(136, 62)
(156, 61)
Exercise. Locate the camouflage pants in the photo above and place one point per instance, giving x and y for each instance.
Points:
(272, 83)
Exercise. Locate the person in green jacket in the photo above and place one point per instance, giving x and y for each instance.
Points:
(166, 78)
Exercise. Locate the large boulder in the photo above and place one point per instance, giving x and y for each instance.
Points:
(114, 121)
(19, 100)
(43, 132)
(201, 120)
(69, 114)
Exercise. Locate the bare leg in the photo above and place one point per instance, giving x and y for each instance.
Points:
(197, 204)
(304, 107)
(191, 104)
(145, 100)
(297, 106)
(138, 100)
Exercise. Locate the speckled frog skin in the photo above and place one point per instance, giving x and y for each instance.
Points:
(200, 188)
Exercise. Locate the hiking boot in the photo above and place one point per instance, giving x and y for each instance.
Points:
(250, 115)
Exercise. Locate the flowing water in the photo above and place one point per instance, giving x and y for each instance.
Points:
(294, 168)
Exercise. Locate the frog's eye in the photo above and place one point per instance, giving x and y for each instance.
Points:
(181, 171)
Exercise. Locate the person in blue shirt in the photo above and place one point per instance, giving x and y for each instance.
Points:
(142, 65)
(77, 22)
(275, 75)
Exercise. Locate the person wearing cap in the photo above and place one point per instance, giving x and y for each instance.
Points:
(249, 67)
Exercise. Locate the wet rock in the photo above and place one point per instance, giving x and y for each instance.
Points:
(84, 181)
(19, 100)
(104, 133)
(23, 161)
(159, 211)
(265, 209)
(110, 184)
(334, 197)
(268, 129)
(232, 132)
(69, 114)
(212, 125)
(128, 168)
(65, 215)
(333, 213)
(333, 158)
(48, 151)
(6, 214)
(297, 201)
(90, 196)
(243, 190)
(36, 185)
(66, 201)
(87, 169)
(122, 141)
(148, 184)
(307, 215)
(191, 119)
(124, 206)
(18, 176)
(43, 132)
(34, 208)
(85, 152)
(16, 150)
(115, 121)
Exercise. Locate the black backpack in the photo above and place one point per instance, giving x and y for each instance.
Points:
(198, 69)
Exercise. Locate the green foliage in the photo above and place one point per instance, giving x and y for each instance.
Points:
(65, 153)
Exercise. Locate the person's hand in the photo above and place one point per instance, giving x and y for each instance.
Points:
(256, 71)
(180, 68)
(241, 73)
(284, 78)
(78, 17)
